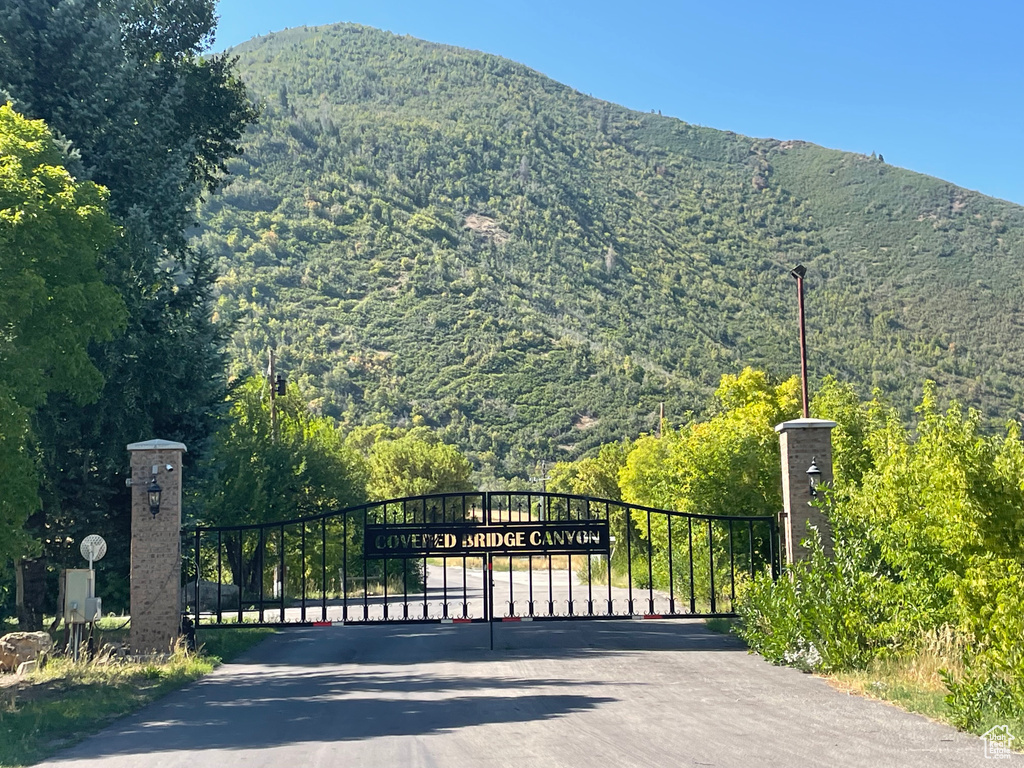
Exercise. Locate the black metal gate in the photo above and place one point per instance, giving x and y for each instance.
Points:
(474, 557)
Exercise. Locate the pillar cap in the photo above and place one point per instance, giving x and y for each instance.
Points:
(157, 445)
(805, 424)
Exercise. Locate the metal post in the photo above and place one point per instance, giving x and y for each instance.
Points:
(488, 515)
(798, 272)
(273, 394)
(198, 579)
(323, 567)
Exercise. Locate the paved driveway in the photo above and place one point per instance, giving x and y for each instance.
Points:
(587, 694)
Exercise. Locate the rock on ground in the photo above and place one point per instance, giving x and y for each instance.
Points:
(19, 647)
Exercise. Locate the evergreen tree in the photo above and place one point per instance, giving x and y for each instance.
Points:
(154, 122)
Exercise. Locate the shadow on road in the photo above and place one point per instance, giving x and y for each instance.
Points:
(338, 684)
(281, 708)
(553, 694)
(417, 643)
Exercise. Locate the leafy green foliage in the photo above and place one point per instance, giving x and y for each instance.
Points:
(275, 460)
(927, 535)
(53, 302)
(819, 615)
(124, 84)
(294, 465)
(725, 465)
(427, 232)
(410, 463)
(728, 464)
(596, 476)
(992, 684)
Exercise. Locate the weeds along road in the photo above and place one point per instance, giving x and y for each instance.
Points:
(555, 694)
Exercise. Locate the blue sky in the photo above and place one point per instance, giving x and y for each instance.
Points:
(936, 87)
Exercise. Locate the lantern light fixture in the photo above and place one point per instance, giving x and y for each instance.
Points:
(814, 476)
(153, 493)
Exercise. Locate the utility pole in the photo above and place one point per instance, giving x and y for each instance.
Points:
(661, 419)
(543, 479)
(273, 393)
(798, 272)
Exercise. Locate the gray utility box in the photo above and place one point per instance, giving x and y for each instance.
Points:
(80, 602)
(93, 608)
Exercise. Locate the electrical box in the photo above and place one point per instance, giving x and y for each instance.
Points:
(79, 590)
(93, 608)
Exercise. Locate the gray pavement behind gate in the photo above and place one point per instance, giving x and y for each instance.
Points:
(456, 592)
(566, 694)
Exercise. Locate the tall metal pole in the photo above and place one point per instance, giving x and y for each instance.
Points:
(798, 272)
(273, 392)
(490, 595)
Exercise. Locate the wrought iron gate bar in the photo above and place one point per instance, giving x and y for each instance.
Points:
(711, 563)
(533, 531)
(554, 496)
(650, 565)
(732, 567)
(671, 571)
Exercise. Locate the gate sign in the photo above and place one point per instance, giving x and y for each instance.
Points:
(578, 537)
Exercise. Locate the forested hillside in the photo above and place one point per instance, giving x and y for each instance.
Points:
(429, 235)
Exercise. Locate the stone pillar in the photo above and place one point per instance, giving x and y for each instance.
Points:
(156, 547)
(802, 441)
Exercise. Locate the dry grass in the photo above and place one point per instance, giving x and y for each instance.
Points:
(521, 563)
(913, 680)
(942, 649)
(538, 563)
(53, 707)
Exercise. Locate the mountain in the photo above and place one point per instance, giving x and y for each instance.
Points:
(434, 235)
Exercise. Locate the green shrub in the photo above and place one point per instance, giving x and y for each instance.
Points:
(992, 681)
(927, 535)
(819, 616)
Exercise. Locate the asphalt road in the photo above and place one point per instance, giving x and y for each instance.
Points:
(556, 694)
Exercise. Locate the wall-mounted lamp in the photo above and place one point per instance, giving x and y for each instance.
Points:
(814, 476)
(153, 492)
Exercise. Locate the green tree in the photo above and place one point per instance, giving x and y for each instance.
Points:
(935, 501)
(270, 466)
(262, 472)
(53, 302)
(410, 462)
(153, 121)
(728, 464)
(928, 536)
(855, 420)
(596, 476)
